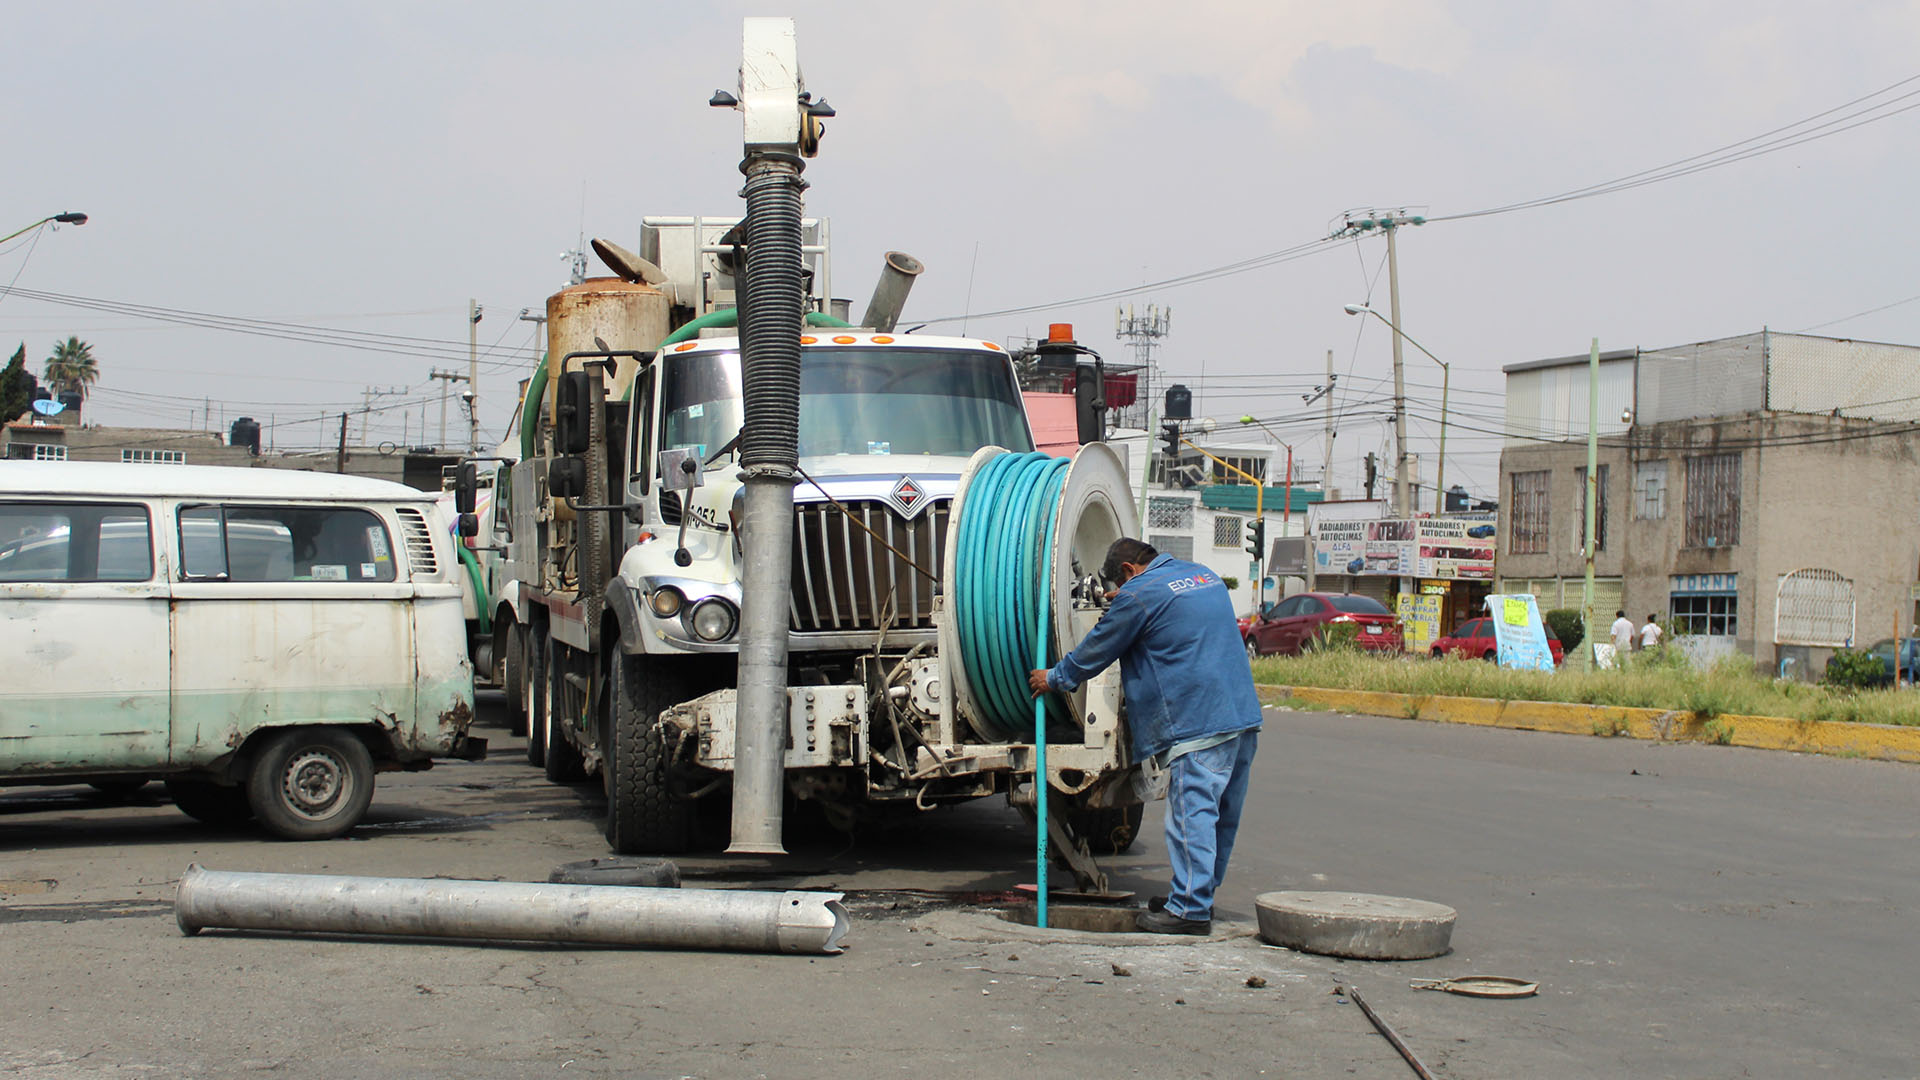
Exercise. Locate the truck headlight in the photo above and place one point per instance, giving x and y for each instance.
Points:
(666, 602)
(712, 619)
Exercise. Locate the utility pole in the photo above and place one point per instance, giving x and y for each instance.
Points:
(1326, 472)
(1389, 222)
(447, 378)
(1593, 504)
(366, 406)
(473, 375)
(340, 456)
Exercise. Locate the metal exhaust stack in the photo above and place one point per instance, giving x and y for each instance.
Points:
(735, 920)
(780, 127)
(890, 292)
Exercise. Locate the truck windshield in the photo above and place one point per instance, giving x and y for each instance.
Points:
(857, 401)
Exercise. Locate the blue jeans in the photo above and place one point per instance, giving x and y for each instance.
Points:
(1206, 791)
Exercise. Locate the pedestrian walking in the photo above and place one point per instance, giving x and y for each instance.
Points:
(1650, 634)
(1622, 633)
(1191, 707)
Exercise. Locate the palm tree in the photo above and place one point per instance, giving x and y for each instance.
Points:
(72, 367)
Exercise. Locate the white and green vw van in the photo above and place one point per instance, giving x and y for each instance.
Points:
(264, 641)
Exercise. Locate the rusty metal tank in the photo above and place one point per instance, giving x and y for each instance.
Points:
(624, 314)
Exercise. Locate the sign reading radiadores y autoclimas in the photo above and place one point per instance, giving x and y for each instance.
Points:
(1437, 548)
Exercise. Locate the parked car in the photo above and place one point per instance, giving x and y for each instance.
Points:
(1474, 640)
(1909, 657)
(1302, 621)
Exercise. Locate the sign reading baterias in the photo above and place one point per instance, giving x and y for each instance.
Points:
(1398, 547)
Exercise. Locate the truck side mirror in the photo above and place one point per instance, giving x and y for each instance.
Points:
(567, 478)
(469, 524)
(573, 396)
(1090, 402)
(466, 487)
(680, 470)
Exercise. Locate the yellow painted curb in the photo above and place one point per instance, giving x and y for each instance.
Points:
(1883, 741)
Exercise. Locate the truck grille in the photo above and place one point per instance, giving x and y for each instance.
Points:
(842, 576)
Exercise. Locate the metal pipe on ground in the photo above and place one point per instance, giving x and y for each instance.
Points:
(727, 919)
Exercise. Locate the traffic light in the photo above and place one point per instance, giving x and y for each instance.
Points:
(1170, 438)
(1256, 538)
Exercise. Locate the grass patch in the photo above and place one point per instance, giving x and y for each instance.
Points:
(1730, 688)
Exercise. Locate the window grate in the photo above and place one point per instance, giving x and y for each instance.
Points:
(1164, 512)
(1815, 607)
(1530, 514)
(1226, 531)
(1713, 501)
(421, 561)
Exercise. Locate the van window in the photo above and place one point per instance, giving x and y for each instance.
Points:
(283, 543)
(75, 542)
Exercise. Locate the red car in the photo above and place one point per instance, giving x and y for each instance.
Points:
(1474, 640)
(1301, 622)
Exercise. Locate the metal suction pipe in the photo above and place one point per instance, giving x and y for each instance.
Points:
(771, 311)
(736, 920)
(890, 292)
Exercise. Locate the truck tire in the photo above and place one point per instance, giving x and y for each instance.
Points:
(206, 801)
(310, 783)
(533, 692)
(563, 762)
(1109, 831)
(513, 659)
(645, 815)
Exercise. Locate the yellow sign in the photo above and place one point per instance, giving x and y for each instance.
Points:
(1514, 612)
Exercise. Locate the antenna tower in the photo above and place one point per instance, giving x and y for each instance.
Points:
(1142, 332)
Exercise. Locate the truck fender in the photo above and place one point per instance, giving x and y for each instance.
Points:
(624, 603)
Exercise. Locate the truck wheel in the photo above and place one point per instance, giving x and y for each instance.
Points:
(310, 783)
(644, 813)
(1109, 831)
(533, 693)
(563, 764)
(204, 800)
(513, 658)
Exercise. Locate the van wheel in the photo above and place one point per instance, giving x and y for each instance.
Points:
(513, 658)
(533, 694)
(310, 783)
(206, 801)
(563, 762)
(645, 815)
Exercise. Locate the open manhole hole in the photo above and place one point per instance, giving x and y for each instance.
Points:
(1083, 917)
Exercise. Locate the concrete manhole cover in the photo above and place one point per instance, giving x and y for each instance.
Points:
(1359, 926)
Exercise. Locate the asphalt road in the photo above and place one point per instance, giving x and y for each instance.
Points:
(1690, 911)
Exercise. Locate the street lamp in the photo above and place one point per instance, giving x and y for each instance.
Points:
(71, 217)
(1446, 379)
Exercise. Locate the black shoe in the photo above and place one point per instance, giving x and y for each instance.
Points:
(1157, 903)
(1161, 922)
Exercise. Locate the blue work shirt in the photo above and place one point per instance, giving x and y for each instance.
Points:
(1183, 666)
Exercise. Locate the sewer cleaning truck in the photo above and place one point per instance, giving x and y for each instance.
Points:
(925, 556)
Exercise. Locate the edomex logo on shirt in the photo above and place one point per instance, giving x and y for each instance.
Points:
(1194, 582)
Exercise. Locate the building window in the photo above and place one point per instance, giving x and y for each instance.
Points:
(1530, 511)
(1713, 501)
(1180, 547)
(36, 452)
(1167, 512)
(1226, 530)
(1709, 614)
(1252, 466)
(154, 457)
(1815, 608)
(1650, 491)
(1599, 513)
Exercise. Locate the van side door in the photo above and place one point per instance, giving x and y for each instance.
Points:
(286, 615)
(83, 628)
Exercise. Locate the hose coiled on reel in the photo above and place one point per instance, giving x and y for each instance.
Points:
(1002, 581)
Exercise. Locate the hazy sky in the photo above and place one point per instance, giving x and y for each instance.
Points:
(369, 167)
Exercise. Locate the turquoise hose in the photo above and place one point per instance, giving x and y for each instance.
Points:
(1003, 600)
(1003, 612)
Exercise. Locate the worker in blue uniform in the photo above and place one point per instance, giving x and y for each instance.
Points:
(1191, 707)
